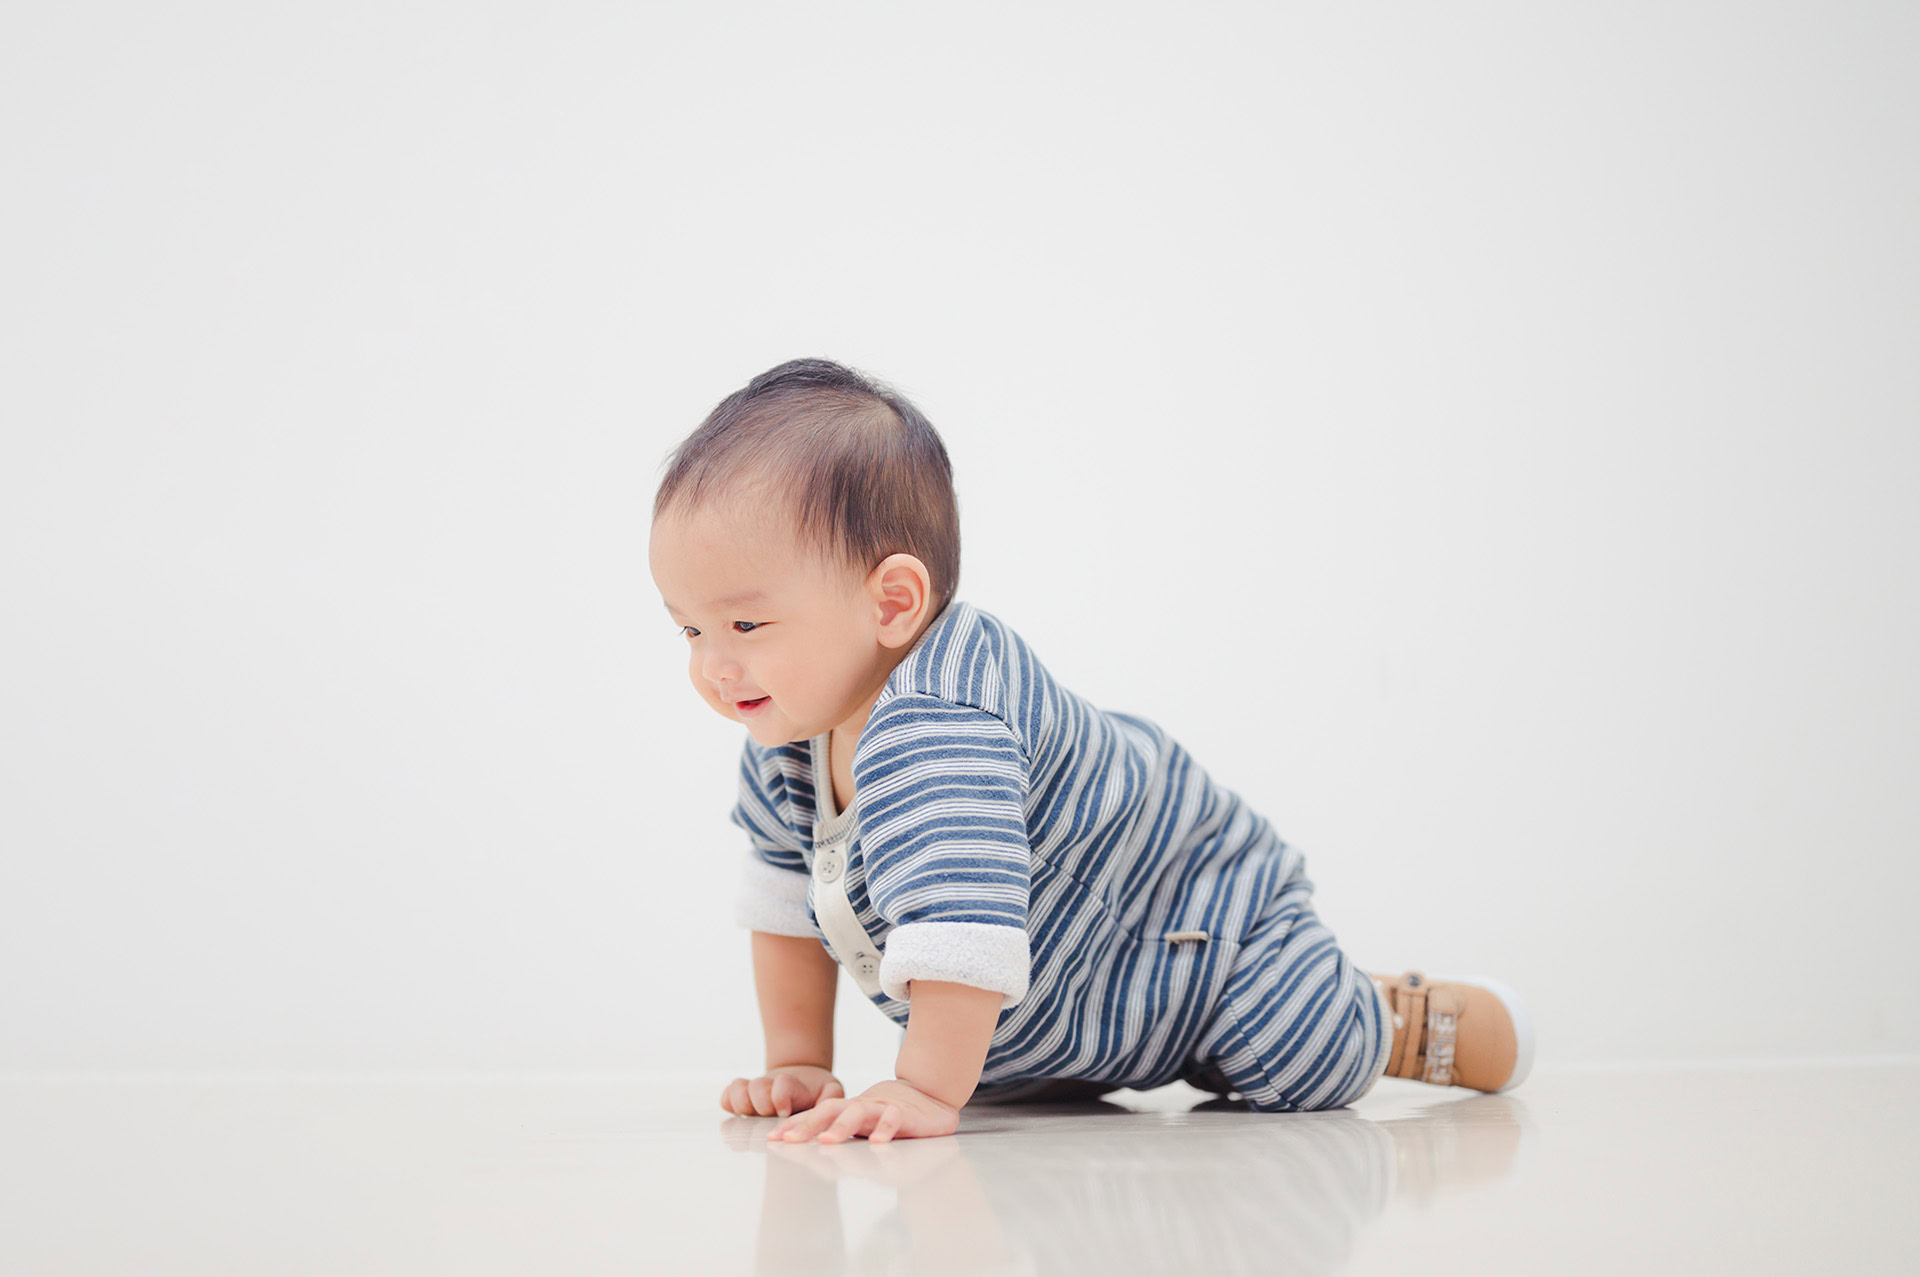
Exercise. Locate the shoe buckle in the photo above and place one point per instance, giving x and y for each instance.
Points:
(1439, 1044)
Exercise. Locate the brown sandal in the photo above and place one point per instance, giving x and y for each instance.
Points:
(1472, 1033)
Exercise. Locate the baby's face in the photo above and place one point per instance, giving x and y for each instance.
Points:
(762, 620)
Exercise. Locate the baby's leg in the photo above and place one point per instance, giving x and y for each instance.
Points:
(1299, 1025)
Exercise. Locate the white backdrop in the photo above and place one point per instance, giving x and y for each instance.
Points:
(1523, 399)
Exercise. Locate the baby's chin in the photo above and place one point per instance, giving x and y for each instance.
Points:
(768, 727)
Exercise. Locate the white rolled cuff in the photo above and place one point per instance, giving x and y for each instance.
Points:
(772, 899)
(983, 954)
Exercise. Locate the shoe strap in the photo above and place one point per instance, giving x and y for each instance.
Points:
(1424, 1034)
(1439, 1047)
(1409, 1024)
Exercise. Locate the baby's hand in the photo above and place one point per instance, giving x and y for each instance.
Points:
(787, 1088)
(882, 1112)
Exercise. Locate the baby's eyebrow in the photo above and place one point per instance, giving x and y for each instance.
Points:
(732, 600)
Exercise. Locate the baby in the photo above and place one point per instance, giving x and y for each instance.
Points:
(1054, 899)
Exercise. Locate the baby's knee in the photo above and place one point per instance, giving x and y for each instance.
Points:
(1288, 1055)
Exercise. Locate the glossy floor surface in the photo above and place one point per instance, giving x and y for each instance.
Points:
(1771, 1170)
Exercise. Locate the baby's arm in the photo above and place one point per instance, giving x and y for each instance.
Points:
(949, 1027)
(796, 980)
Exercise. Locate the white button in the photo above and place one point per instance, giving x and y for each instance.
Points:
(826, 866)
(866, 965)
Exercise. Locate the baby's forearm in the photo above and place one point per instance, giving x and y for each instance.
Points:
(949, 1027)
(796, 981)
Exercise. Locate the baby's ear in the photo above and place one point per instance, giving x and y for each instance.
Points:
(903, 589)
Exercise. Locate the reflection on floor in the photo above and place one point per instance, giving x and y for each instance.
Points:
(1755, 1169)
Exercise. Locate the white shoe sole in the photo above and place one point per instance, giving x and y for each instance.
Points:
(1522, 1026)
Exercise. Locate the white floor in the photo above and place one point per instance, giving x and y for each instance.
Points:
(1752, 1170)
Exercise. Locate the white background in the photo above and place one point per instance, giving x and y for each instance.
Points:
(1485, 434)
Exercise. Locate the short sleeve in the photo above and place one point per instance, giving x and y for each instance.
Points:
(771, 893)
(942, 792)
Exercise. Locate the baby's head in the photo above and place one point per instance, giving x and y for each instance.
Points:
(803, 537)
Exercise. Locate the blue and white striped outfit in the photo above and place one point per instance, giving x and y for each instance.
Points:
(1142, 922)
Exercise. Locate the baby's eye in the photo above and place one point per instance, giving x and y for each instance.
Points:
(754, 624)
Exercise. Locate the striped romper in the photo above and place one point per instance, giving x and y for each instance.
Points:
(1140, 921)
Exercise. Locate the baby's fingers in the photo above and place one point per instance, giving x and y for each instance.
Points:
(856, 1119)
(803, 1125)
(734, 1098)
(788, 1094)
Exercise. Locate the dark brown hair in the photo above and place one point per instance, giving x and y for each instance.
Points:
(855, 470)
